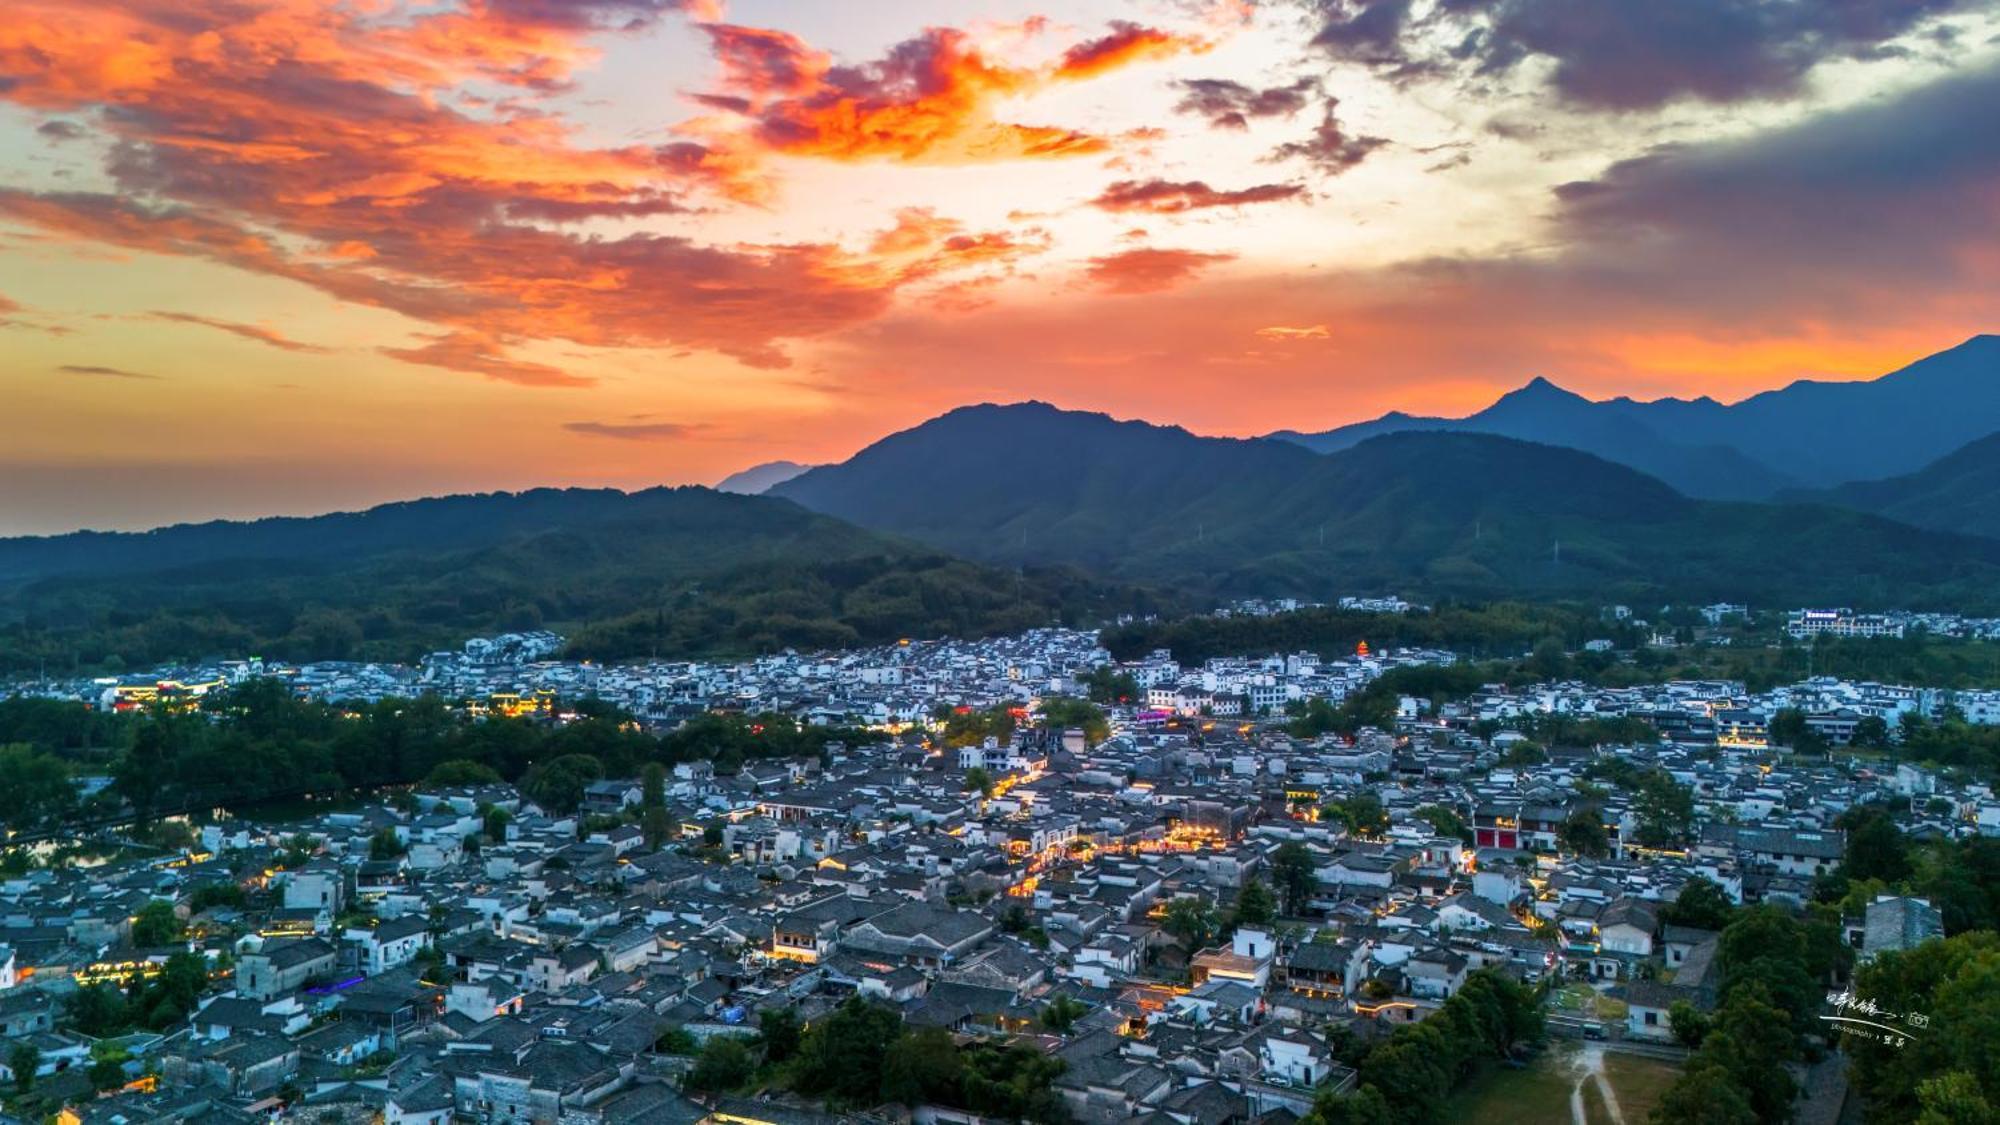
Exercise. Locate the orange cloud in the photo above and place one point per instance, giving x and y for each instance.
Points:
(326, 145)
(1126, 44)
(1148, 270)
(468, 351)
(931, 99)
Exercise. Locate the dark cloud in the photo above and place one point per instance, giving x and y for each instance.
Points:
(636, 431)
(1230, 105)
(637, 205)
(1162, 197)
(59, 130)
(99, 370)
(1625, 54)
(1330, 147)
(1899, 192)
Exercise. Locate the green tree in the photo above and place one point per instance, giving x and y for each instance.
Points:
(781, 1031)
(1876, 848)
(1444, 822)
(1702, 904)
(1665, 808)
(1752, 1039)
(923, 1066)
(24, 1059)
(461, 771)
(1688, 1022)
(1191, 919)
(723, 1065)
(1705, 1094)
(841, 1056)
(1108, 685)
(35, 788)
(1955, 983)
(977, 780)
(1063, 712)
(1871, 732)
(558, 784)
(1255, 905)
(170, 997)
(1583, 834)
(156, 924)
(1296, 875)
(1787, 727)
(1061, 1014)
(495, 821)
(1362, 813)
(96, 1010)
(1954, 1098)
(385, 844)
(1365, 1106)
(107, 1073)
(677, 1041)
(653, 817)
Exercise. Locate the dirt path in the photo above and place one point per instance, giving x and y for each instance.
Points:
(1590, 1063)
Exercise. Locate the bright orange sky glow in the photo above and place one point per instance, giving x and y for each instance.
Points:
(288, 256)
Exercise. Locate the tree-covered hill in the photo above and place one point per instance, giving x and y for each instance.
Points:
(681, 571)
(1445, 514)
(1958, 492)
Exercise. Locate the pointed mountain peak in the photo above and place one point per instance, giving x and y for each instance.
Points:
(1540, 386)
(1538, 393)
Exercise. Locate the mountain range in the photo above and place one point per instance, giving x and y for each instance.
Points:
(1002, 517)
(1445, 513)
(1806, 435)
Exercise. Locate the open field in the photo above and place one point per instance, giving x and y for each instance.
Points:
(1584, 1085)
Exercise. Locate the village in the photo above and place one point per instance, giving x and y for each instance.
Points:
(1196, 907)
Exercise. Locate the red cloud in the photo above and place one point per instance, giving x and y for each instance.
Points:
(321, 144)
(1127, 43)
(468, 351)
(1166, 197)
(1148, 270)
(931, 99)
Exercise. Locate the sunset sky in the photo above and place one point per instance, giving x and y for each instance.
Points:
(262, 256)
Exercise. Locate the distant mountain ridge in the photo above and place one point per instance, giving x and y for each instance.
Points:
(1808, 434)
(1544, 413)
(1458, 514)
(758, 479)
(1958, 492)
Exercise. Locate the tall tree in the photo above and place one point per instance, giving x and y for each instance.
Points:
(1296, 874)
(1192, 920)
